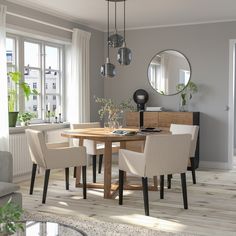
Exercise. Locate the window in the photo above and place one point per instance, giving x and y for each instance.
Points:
(34, 85)
(35, 107)
(41, 63)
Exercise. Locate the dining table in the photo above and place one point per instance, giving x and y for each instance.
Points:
(106, 136)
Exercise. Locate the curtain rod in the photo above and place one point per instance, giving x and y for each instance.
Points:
(39, 21)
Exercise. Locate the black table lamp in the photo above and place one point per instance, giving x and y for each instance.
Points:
(140, 97)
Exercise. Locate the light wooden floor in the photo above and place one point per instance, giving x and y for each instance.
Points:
(212, 204)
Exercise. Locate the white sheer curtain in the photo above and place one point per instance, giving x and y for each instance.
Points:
(78, 89)
(4, 130)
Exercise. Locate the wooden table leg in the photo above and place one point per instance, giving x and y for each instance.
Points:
(78, 168)
(107, 169)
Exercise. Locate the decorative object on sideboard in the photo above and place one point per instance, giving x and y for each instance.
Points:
(124, 55)
(155, 108)
(186, 94)
(15, 82)
(112, 112)
(140, 97)
(166, 70)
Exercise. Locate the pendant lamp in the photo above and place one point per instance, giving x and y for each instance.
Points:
(108, 69)
(115, 40)
(124, 55)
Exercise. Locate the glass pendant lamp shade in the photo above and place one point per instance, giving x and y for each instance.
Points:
(115, 40)
(124, 55)
(108, 69)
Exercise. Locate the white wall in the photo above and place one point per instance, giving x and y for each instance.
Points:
(207, 48)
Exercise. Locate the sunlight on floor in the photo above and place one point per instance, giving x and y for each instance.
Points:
(148, 221)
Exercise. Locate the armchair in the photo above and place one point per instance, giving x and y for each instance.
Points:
(7, 188)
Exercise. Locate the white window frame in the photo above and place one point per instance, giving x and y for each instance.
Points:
(19, 59)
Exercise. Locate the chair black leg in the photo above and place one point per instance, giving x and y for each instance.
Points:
(169, 177)
(45, 188)
(121, 186)
(145, 195)
(184, 190)
(192, 160)
(162, 186)
(74, 172)
(94, 168)
(34, 168)
(67, 178)
(84, 182)
(100, 163)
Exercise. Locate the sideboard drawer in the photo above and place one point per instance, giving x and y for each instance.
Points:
(168, 118)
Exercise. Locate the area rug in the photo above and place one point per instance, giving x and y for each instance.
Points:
(95, 227)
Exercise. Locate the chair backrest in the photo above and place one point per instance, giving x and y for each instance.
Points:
(187, 129)
(89, 144)
(166, 154)
(85, 125)
(37, 146)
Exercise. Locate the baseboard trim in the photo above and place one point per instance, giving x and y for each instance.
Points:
(214, 165)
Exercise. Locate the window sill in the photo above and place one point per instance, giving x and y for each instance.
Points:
(41, 126)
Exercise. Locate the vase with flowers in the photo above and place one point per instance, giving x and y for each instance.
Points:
(111, 112)
(186, 94)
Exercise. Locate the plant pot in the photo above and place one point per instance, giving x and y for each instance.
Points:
(13, 118)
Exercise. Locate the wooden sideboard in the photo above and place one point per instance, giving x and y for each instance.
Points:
(164, 120)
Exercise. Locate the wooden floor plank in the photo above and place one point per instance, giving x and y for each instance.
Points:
(212, 203)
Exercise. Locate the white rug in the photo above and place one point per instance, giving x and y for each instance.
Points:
(95, 227)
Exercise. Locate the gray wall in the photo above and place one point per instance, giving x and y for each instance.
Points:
(97, 38)
(207, 48)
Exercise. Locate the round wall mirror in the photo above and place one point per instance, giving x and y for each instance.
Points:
(169, 72)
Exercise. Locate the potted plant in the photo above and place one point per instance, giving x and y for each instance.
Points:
(111, 111)
(10, 216)
(25, 117)
(15, 77)
(186, 94)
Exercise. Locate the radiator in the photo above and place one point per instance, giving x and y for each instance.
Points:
(22, 164)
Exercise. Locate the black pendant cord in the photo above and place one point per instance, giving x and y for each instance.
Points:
(115, 17)
(124, 20)
(108, 26)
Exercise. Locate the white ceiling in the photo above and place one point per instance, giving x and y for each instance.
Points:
(140, 13)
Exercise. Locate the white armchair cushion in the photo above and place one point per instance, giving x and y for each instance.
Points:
(132, 162)
(66, 157)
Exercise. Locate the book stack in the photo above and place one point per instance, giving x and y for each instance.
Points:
(154, 108)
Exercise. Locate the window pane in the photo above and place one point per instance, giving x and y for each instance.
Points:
(52, 84)
(32, 54)
(53, 104)
(52, 58)
(34, 81)
(10, 51)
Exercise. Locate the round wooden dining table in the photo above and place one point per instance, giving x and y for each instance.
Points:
(103, 135)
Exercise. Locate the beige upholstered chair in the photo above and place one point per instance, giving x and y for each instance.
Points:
(193, 130)
(94, 148)
(54, 156)
(163, 154)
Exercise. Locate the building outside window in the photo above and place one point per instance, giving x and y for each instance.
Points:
(43, 70)
(34, 85)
